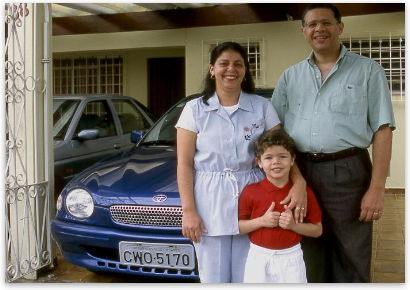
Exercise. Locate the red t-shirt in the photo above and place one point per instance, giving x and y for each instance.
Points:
(254, 202)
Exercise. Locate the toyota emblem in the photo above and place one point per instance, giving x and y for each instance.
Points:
(159, 198)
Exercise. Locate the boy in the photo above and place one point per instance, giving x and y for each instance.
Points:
(275, 255)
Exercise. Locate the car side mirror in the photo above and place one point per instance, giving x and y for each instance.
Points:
(88, 134)
(136, 136)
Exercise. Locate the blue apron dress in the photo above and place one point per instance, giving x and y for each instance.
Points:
(224, 163)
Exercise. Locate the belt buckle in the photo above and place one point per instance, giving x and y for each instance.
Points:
(315, 156)
(312, 156)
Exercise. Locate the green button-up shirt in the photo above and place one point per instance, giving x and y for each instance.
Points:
(343, 111)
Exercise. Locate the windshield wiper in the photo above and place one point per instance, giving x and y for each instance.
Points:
(158, 142)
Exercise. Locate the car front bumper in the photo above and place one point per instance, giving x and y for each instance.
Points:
(97, 248)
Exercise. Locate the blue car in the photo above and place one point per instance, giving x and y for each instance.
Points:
(124, 215)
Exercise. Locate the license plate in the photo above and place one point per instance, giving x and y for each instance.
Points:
(168, 256)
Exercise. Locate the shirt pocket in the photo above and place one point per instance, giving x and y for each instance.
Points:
(349, 100)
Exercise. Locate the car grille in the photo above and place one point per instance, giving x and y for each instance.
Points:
(165, 216)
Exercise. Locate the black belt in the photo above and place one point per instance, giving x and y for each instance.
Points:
(322, 157)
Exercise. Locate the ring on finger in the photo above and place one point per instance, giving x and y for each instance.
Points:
(297, 208)
(302, 208)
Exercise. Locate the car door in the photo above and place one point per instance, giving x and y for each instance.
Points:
(96, 115)
(131, 118)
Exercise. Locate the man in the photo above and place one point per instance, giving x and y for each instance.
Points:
(334, 105)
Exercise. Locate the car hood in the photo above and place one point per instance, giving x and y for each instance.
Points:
(135, 177)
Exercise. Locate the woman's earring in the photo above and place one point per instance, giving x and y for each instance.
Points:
(212, 77)
(244, 79)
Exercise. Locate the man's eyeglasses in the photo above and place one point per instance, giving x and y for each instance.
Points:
(313, 24)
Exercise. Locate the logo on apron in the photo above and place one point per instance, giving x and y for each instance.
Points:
(250, 131)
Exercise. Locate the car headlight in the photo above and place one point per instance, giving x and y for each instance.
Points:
(79, 203)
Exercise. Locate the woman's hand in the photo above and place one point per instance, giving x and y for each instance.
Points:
(192, 226)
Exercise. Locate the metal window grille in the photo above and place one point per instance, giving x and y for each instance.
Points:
(388, 51)
(255, 48)
(88, 75)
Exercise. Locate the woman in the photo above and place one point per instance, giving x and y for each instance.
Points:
(215, 136)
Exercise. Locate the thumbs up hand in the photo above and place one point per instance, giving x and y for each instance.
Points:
(272, 206)
(286, 220)
(271, 218)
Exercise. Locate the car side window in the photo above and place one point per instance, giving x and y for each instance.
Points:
(130, 117)
(63, 113)
(97, 115)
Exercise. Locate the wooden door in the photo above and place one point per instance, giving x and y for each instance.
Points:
(166, 83)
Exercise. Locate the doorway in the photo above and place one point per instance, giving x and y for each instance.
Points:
(166, 83)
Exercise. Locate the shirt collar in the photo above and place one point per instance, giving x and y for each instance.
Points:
(245, 102)
(342, 53)
(268, 186)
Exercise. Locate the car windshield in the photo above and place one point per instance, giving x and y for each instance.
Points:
(164, 132)
(63, 112)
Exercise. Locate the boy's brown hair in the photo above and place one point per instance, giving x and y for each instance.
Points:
(271, 138)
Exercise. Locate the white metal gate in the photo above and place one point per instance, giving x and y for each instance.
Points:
(27, 186)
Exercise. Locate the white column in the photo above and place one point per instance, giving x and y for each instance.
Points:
(28, 246)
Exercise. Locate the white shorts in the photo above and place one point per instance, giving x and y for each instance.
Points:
(275, 266)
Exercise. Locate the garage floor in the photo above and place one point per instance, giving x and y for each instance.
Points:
(388, 263)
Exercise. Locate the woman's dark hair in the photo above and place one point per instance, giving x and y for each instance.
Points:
(332, 7)
(248, 86)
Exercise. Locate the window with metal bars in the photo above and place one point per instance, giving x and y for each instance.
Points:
(88, 75)
(254, 48)
(389, 52)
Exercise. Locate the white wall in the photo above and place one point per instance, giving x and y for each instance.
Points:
(396, 177)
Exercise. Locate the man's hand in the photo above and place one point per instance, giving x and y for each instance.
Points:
(372, 205)
(298, 200)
